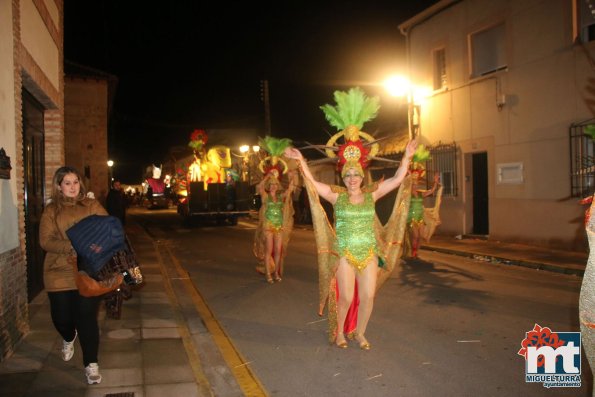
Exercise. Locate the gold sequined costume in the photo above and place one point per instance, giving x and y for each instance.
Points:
(389, 239)
(259, 247)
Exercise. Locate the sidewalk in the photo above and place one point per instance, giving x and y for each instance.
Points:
(151, 351)
(566, 262)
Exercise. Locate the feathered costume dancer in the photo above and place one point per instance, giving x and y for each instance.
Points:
(421, 221)
(586, 303)
(352, 111)
(276, 214)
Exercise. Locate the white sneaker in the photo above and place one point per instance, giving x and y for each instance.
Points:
(93, 375)
(68, 348)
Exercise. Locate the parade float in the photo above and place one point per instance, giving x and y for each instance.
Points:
(155, 189)
(208, 185)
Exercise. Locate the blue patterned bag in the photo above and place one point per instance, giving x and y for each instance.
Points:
(96, 239)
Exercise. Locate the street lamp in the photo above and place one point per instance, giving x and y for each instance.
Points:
(400, 86)
(110, 164)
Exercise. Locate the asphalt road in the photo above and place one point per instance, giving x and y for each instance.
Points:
(442, 325)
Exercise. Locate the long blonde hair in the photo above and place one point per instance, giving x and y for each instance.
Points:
(271, 179)
(56, 195)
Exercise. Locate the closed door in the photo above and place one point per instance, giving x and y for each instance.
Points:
(34, 161)
(481, 221)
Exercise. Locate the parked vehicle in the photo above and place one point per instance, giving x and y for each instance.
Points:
(220, 202)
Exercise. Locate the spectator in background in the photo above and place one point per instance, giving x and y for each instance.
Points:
(116, 202)
(231, 176)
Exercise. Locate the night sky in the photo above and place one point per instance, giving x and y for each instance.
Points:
(183, 65)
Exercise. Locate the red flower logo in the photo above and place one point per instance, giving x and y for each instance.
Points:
(539, 337)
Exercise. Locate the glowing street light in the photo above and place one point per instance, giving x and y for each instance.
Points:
(400, 86)
(110, 164)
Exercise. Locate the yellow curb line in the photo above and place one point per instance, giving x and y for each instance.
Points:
(246, 379)
(201, 380)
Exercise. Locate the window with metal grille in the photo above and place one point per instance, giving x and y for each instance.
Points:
(444, 161)
(582, 160)
(585, 22)
(439, 69)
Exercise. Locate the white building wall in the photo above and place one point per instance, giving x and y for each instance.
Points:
(36, 38)
(544, 90)
(8, 187)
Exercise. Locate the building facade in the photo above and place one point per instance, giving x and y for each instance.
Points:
(88, 98)
(509, 81)
(32, 136)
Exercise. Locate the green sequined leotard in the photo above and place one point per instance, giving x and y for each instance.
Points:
(274, 213)
(416, 211)
(354, 226)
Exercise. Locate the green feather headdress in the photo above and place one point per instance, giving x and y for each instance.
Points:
(274, 146)
(421, 154)
(353, 108)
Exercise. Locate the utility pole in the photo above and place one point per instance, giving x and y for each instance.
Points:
(264, 95)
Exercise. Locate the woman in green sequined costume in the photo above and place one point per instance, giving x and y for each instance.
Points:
(357, 246)
(272, 226)
(276, 213)
(415, 218)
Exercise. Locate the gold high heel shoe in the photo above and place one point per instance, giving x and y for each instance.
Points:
(269, 278)
(277, 277)
(341, 345)
(363, 343)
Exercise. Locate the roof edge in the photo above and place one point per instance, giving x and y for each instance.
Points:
(425, 15)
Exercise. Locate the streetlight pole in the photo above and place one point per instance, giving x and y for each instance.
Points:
(110, 164)
(264, 87)
(400, 86)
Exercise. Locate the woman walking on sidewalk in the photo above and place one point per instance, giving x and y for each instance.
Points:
(72, 314)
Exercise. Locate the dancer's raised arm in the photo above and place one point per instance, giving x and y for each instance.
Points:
(323, 189)
(393, 182)
(426, 193)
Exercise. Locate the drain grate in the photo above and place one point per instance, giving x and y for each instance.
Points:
(125, 394)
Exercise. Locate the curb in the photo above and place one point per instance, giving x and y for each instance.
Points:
(507, 261)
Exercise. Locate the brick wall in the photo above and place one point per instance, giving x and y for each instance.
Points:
(14, 321)
(85, 132)
(54, 146)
